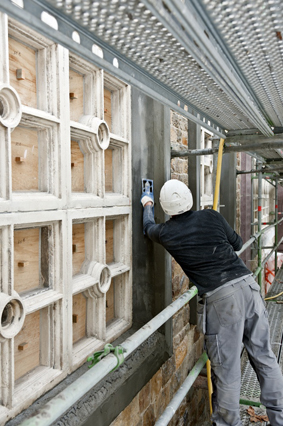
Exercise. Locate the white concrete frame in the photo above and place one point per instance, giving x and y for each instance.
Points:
(58, 208)
(206, 171)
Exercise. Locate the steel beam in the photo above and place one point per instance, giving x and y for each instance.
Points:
(128, 71)
(186, 25)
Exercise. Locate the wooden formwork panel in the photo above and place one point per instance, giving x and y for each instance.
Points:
(109, 240)
(79, 317)
(26, 259)
(27, 346)
(24, 159)
(110, 311)
(22, 57)
(78, 247)
(107, 107)
(76, 81)
(109, 170)
(77, 168)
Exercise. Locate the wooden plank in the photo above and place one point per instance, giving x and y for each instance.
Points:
(110, 311)
(108, 170)
(109, 241)
(24, 143)
(79, 312)
(79, 242)
(77, 168)
(27, 359)
(107, 107)
(24, 58)
(77, 87)
(26, 250)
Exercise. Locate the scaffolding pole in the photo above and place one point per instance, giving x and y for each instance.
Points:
(259, 218)
(276, 224)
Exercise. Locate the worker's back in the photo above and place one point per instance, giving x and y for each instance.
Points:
(204, 245)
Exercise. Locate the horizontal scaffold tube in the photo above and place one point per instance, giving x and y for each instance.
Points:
(58, 405)
(175, 403)
(255, 236)
(232, 148)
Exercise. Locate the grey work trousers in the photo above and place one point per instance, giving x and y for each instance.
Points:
(237, 314)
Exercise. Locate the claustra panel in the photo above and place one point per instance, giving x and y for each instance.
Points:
(79, 317)
(24, 159)
(76, 81)
(27, 346)
(109, 170)
(78, 246)
(109, 241)
(22, 68)
(107, 107)
(31, 259)
(26, 259)
(110, 305)
(77, 168)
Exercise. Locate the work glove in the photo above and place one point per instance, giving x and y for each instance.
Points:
(147, 192)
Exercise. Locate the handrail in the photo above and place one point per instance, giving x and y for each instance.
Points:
(58, 405)
(174, 404)
(255, 236)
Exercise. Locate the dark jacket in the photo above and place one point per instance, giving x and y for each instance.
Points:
(203, 244)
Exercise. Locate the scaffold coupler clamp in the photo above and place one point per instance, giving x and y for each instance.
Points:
(118, 351)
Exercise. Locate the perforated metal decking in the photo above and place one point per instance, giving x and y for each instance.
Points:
(250, 389)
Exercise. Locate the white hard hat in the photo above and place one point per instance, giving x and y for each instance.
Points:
(175, 197)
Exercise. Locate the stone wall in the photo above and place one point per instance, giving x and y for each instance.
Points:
(150, 402)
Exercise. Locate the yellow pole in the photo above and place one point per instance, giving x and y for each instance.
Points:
(215, 204)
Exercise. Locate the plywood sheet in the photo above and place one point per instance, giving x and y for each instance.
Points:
(79, 317)
(23, 57)
(26, 259)
(109, 242)
(110, 311)
(76, 81)
(78, 246)
(77, 168)
(24, 159)
(107, 107)
(109, 170)
(29, 339)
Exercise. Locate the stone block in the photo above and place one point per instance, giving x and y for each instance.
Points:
(131, 414)
(148, 417)
(160, 404)
(181, 352)
(168, 369)
(145, 397)
(156, 384)
(178, 322)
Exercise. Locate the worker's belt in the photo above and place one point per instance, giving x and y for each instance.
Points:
(225, 291)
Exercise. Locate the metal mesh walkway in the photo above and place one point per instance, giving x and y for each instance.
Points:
(250, 389)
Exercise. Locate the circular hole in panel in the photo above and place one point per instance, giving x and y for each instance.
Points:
(116, 63)
(105, 279)
(1, 108)
(76, 37)
(103, 135)
(7, 317)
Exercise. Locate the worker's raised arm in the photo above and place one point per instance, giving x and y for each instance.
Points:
(149, 226)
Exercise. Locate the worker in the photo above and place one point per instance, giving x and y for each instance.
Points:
(204, 245)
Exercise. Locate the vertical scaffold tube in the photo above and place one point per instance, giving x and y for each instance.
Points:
(259, 220)
(215, 205)
(276, 226)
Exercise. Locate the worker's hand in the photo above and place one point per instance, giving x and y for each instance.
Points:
(146, 200)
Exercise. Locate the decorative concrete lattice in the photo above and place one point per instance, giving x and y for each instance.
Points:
(65, 223)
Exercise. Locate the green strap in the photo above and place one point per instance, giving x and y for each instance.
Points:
(118, 351)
